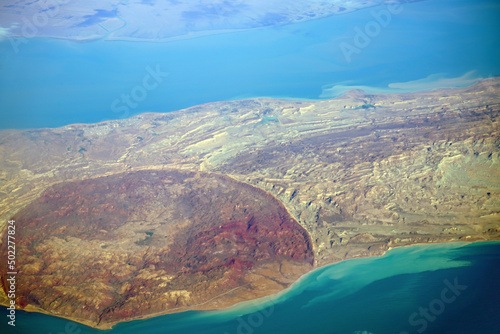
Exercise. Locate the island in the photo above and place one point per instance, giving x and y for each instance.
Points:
(151, 20)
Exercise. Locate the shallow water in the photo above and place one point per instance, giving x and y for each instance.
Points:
(56, 82)
(429, 44)
(442, 288)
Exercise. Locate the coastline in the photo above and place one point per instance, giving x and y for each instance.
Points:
(364, 170)
(108, 35)
(278, 99)
(364, 237)
(261, 300)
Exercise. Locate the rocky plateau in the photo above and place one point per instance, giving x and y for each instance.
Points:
(230, 201)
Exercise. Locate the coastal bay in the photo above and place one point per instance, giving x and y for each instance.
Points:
(390, 289)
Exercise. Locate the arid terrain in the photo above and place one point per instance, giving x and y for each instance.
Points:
(230, 201)
(123, 245)
(151, 20)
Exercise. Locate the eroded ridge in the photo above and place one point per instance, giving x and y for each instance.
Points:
(132, 244)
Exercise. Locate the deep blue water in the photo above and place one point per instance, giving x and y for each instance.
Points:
(51, 83)
(434, 289)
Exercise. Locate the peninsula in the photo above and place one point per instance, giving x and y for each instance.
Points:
(230, 201)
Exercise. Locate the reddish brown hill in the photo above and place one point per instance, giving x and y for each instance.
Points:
(133, 244)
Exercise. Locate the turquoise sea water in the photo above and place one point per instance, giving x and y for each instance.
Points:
(429, 44)
(50, 83)
(438, 289)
